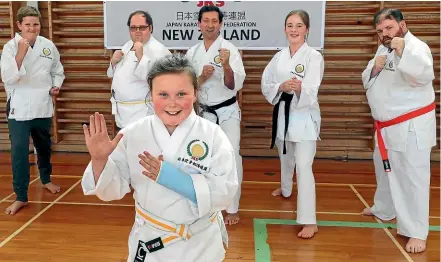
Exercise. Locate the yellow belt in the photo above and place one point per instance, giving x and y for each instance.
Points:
(175, 232)
(115, 103)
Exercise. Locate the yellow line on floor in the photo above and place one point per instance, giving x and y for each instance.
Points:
(4, 199)
(4, 242)
(394, 240)
(320, 184)
(242, 210)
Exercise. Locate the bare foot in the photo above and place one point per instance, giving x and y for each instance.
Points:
(14, 207)
(367, 212)
(52, 188)
(308, 231)
(277, 192)
(415, 245)
(232, 219)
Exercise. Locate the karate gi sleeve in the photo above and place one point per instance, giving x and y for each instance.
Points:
(216, 188)
(142, 69)
(416, 64)
(189, 53)
(9, 70)
(57, 70)
(269, 84)
(114, 181)
(236, 64)
(110, 70)
(312, 81)
(366, 75)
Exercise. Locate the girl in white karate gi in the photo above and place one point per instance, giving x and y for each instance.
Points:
(181, 167)
(290, 82)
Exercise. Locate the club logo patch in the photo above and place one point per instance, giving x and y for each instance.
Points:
(299, 68)
(390, 66)
(197, 149)
(46, 51)
(217, 59)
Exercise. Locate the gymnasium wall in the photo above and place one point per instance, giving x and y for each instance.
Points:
(350, 42)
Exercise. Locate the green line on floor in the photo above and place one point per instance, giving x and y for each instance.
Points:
(262, 249)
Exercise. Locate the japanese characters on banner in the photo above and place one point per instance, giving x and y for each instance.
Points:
(247, 24)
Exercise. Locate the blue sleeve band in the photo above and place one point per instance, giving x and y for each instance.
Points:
(176, 180)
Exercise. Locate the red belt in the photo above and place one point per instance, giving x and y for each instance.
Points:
(379, 125)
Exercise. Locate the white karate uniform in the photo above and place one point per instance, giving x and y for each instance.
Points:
(210, 167)
(404, 85)
(131, 99)
(28, 88)
(214, 92)
(306, 65)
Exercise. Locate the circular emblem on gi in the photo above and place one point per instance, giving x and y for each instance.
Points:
(46, 51)
(197, 149)
(217, 59)
(299, 68)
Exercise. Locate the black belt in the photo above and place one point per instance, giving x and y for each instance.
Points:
(287, 98)
(212, 109)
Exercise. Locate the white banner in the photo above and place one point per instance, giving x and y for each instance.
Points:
(249, 25)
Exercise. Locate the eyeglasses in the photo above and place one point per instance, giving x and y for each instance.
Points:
(140, 28)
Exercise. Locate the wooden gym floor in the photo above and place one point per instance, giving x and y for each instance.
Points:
(72, 227)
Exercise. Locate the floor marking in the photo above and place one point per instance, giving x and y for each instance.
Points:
(394, 240)
(37, 215)
(321, 184)
(4, 199)
(241, 210)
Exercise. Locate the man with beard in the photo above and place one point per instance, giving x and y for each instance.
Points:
(129, 68)
(398, 83)
(221, 75)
